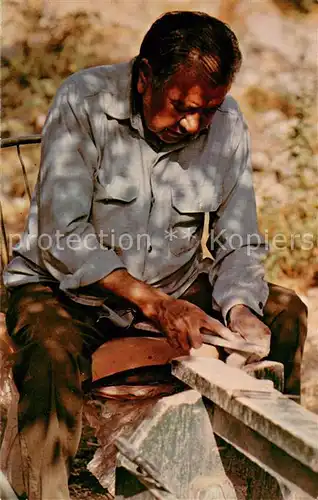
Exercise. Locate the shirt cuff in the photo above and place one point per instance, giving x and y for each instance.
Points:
(253, 303)
(97, 267)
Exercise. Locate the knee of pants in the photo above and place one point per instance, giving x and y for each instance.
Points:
(49, 332)
(296, 307)
(40, 360)
(48, 380)
(297, 312)
(289, 327)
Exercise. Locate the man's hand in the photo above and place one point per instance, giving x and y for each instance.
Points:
(244, 322)
(182, 322)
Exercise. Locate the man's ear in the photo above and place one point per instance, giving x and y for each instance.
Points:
(144, 77)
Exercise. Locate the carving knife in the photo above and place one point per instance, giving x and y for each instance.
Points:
(236, 345)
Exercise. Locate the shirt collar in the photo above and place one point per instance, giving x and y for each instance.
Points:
(119, 105)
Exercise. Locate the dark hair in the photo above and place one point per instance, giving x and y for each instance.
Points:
(183, 38)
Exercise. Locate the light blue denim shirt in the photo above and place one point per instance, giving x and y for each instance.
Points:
(106, 198)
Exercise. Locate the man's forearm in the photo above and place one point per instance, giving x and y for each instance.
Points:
(144, 296)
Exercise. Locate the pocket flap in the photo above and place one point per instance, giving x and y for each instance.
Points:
(121, 189)
(187, 200)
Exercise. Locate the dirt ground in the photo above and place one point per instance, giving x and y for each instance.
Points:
(83, 485)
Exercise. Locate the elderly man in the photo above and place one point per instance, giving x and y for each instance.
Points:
(133, 156)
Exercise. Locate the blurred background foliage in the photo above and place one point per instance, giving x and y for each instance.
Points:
(277, 95)
(34, 68)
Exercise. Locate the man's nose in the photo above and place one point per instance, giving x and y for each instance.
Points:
(191, 123)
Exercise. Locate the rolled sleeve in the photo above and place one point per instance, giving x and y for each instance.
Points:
(69, 246)
(237, 274)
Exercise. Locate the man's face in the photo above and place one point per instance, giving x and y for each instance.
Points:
(183, 107)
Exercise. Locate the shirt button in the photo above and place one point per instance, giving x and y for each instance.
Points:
(261, 305)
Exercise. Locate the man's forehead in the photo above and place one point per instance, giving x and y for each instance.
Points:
(193, 92)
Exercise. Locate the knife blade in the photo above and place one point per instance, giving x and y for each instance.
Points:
(215, 340)
(236, 345)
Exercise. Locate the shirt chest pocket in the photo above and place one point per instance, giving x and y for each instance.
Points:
(120, 190)
(113, 202)
(188, 206)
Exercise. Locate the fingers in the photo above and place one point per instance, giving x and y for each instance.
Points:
(215, 326)
(267, 331)
(182, 321)
(254, 331)
(185, 337)
(184, 340)
(173, 339)
(178, 336)
(195, 339)
(251, 327)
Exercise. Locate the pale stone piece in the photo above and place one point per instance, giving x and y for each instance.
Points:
(6, 492)
(176, 442)
(205, 351)
(269, 370)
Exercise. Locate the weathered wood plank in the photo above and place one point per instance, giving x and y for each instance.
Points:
(279, 464)
(281, 421)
